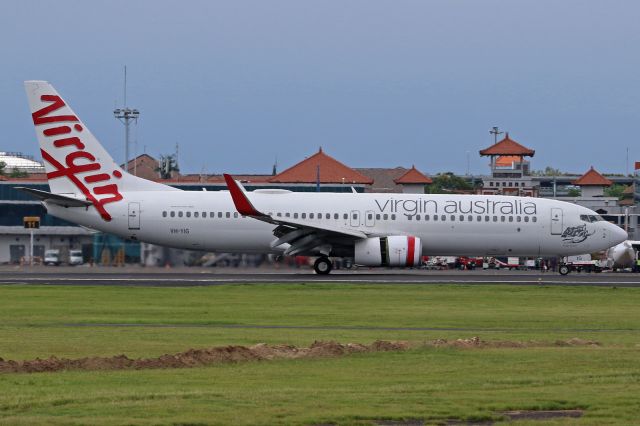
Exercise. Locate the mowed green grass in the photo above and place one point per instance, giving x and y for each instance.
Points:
(425, 383)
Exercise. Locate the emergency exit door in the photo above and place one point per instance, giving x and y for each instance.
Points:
(134, 215)
(556, 221)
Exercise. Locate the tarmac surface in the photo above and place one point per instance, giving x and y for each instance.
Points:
(184, 277)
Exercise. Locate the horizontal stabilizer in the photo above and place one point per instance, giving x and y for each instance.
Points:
(60, 200)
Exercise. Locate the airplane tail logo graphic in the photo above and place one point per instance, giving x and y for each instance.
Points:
(75, 162)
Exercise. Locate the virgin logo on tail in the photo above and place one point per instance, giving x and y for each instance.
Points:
(78, 161)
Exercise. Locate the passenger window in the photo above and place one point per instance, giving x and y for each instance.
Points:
(295, 215)
(345, 216)
(385, 216)
(409, 217)
(235, 214)
(287, 214)
(510, 218)
(443, 217)
(311, 215)
(470, 218)
(518, 219)
(486, 218)
(164, 214)
(204, 215)
(426, 217)
(393, 217)
(534, 219)
(355, 215)
(435, 217)
(377, 217)
(461, 218)
(279, 214)
(495, 218)
(228, 214)
(212, 214)
(502, 218)
(453, 218)
(188, 214)
(179, 214)
(196, 214)
(526, 218)
(417, 217)
(219, 214)
(370, 216)
(327, 216)
(336, 216)
(479, 218)
(303, 215)
(172, 214)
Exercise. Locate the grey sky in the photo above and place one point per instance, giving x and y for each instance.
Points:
(375, 83)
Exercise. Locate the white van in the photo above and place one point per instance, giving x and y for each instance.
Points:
(75, 257)
(52, 257)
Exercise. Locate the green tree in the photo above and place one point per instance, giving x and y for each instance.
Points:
(445, 183)
(2, 168)
(574, 192)
(615, 190)
(15, 173)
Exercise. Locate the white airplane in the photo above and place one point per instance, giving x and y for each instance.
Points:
(624, 255)
(89, 188)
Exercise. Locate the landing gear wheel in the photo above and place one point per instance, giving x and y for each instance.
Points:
(322, 266)
(564, 269)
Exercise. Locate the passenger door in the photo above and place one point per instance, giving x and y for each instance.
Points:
(355, 218)
(556, 221)
(134, 215)
(369, 218)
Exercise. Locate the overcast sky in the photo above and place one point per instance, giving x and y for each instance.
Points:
(375, 83)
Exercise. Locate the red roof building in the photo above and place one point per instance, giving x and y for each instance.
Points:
(592, 183)
(510, 172)
(321, 168)
(592, 178)
(413, 176)
(413, 181)
(507, 146)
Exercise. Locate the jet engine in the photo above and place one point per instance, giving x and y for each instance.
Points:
(394, 250)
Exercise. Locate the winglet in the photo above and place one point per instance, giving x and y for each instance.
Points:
(240, 199)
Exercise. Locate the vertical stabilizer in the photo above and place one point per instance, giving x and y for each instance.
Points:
(75, 162)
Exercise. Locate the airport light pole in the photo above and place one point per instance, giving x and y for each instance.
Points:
(126, 115)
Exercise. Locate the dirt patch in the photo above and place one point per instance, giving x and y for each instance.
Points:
(477, 342)
(198, 357)
(542, 414)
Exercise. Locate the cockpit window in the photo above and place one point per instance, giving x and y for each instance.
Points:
(591, 218)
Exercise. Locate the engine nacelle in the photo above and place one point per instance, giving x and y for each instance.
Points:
(394, 250)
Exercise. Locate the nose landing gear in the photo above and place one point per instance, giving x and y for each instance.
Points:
(322, 265)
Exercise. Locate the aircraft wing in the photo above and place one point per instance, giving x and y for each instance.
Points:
(302, 236)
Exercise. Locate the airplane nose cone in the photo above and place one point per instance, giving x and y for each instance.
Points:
(617, 235)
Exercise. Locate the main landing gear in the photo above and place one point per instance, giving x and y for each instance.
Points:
(322, 265)
(564, 269)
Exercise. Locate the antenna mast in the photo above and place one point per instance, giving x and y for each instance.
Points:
(125, 115)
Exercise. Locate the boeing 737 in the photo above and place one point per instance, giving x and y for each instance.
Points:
(88, 188)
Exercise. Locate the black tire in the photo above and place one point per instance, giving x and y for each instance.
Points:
(322, 266)
(564, 269)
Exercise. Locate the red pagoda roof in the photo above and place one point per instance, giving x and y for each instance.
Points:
(413, 176)
(592, 178)
(330, 170)
(508, 146)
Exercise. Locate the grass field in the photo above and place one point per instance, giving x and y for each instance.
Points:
(424, 383)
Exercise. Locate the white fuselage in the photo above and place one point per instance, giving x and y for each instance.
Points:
(446, 224)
